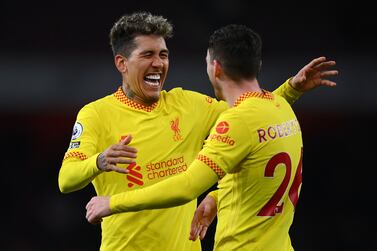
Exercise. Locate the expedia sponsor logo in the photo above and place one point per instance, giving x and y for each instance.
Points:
(222, 138)
(134, 176)
(222, 127)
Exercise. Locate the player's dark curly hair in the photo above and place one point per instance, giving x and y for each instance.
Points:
(238, 49)
(124, 31)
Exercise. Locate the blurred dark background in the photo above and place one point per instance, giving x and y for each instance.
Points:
(55, 57)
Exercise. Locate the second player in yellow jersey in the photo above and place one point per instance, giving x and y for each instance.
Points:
(254, 150)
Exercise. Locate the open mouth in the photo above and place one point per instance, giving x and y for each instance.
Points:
(152, 80)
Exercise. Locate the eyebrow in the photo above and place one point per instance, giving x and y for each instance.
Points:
(152, 51)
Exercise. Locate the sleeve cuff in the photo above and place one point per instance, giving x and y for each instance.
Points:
(288, 92)
(214, 195)
(291, 89)
(113, 203)
(92, 163)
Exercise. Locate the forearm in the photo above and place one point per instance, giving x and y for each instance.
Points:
(75, 175)
(171, 192)
(288, 92)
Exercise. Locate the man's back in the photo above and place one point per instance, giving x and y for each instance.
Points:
(259, 146)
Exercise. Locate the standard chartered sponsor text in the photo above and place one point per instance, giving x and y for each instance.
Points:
(166, 168)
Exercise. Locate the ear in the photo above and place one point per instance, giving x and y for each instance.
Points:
(217, 68)
(120, 63)
(260, 67)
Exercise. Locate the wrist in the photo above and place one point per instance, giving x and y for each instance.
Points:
(100, 160)
(292, 84)
(213, 194)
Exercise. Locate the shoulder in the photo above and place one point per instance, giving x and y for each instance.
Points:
(179, 91)
(187, 96)
(231, 116)
(95, 106)
(280, 99)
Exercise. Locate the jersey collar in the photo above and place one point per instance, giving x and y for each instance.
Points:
(119, 95)
(263, 95)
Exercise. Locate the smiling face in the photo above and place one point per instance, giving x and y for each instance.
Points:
(144, 71)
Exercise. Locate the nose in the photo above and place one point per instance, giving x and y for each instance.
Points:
(157, 62)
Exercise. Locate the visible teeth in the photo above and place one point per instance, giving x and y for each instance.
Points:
(152, 80)
(152, 83)
(154, 77)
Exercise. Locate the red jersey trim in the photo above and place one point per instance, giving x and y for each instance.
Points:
(212, 165)
(119, 95)
(78, 155)
(263, 95)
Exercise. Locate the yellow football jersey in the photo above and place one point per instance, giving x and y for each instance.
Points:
(258, 145)
(168, 136)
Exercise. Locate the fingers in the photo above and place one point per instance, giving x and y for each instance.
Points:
(117, 154)
(95, 209)
(326, 82)
(126, 140)
(92, 219)
(203, 232)
(90, 215)
(122, 153)
(195, 224)
(198, 231)
(109, 164)
(329, 73)
(89, 204)
(120, 160)
(324, 65)
(194, 232)
(194, 227)
(316, 61)
(126, 148)
(121, 156)
(117, 169)
(115, 161)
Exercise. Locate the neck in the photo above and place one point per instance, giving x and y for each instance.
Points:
(132, 96)
(233, 90)
(129, 94)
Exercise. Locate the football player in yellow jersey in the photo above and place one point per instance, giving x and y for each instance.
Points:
(254, 151)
